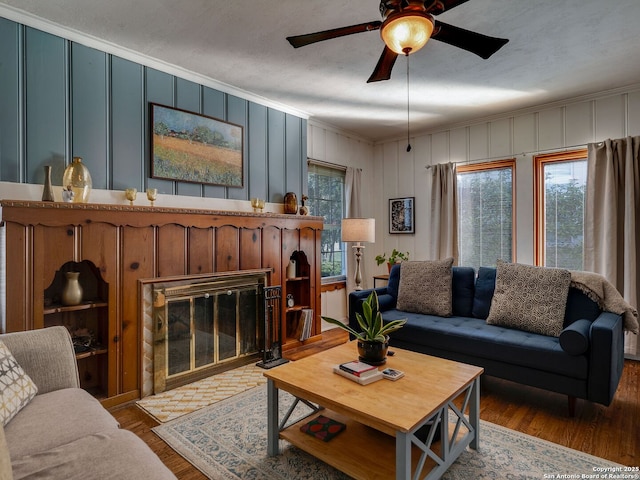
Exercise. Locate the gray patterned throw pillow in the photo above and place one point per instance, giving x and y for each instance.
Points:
(425, 287)
(16, 387)
(530, 298)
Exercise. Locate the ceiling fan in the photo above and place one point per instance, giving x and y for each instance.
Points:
(405, 28)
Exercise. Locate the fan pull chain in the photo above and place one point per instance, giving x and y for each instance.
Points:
(408, 122)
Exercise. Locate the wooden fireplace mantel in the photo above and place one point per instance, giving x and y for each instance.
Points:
(126, 244)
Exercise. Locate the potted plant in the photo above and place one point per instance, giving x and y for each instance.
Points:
(394, 258)
(373, 340)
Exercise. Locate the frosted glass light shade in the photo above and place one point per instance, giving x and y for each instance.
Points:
(407, 32)
(359, 230)
(78, 177)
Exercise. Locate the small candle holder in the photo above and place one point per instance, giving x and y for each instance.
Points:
(152, 195)
(130, 194)
(257, 204)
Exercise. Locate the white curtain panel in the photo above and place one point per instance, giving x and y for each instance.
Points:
(612, 219)
(353, 209)
(442, 215)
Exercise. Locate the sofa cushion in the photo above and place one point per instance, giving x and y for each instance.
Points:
(394, 280)
(462, 284)
(16, 387)
(44, 354)
(485, 285)
(575, 338)
(56, 418)
(530, 298)
(475, 338)
(425, 287)
(117, 455)
(5, 461)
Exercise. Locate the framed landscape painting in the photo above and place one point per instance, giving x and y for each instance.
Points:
(401, 215)
(189, 147)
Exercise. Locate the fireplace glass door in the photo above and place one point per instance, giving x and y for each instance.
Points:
(204, 326)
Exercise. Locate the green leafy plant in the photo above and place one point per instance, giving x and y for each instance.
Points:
(393, 258)
(373, 329)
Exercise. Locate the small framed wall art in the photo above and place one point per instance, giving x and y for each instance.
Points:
(188, 147)
(401, 215)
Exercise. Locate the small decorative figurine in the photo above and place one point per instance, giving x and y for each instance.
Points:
(304, 210)
(67, 194)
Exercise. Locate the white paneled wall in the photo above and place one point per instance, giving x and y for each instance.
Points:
(520, 135)
(328, 145)
(390, 172)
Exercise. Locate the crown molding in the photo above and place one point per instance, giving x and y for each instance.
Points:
(47, 26)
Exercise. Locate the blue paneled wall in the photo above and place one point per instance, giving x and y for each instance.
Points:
(60, 99)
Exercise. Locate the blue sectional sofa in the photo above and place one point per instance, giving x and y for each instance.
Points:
(585, 361)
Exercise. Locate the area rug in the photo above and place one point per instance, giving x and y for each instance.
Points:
(228, 440)
(174, 403)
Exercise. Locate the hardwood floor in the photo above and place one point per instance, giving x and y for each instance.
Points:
(608, 432)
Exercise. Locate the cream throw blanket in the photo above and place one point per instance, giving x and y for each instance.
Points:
(601, 291)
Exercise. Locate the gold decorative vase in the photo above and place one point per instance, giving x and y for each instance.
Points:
(72, 291)
(78, 177)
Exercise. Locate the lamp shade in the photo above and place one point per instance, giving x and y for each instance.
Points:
(358, 229)
(406, 32)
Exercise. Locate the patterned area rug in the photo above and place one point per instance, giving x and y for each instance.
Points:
(228, 440)
(174, 403)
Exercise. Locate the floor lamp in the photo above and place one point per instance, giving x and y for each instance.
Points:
(358, 230)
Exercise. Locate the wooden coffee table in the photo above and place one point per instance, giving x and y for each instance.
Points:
(381, 417)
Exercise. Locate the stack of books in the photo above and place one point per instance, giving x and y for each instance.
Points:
(307, 321)
(359, 372)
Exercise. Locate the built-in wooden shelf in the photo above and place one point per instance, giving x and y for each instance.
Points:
(73, 308)
(91, 352)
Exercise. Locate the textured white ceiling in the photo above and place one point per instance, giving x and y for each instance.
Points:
(558, 49)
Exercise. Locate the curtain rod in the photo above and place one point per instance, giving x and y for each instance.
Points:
(326, 164)
(504, 157)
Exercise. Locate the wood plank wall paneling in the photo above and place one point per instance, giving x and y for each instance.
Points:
(171, 252)
(129, 244)
(227, 249)
(60, 99)
(10, 105)
(276, 154)
(90, 111)
(127, 124)
(137, 260)
(19, 315)
(201, 243)
(271, 252)
(257, 150)
(46, 96)
(250, 246)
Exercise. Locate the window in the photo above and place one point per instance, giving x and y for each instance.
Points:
(485, 213)
(560, 188)
(326, 199)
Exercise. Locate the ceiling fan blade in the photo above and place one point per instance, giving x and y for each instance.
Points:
(302, 40)
(384, 66)
(473, 42)
(439, 6)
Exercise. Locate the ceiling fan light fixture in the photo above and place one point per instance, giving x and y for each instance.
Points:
(407, 32)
